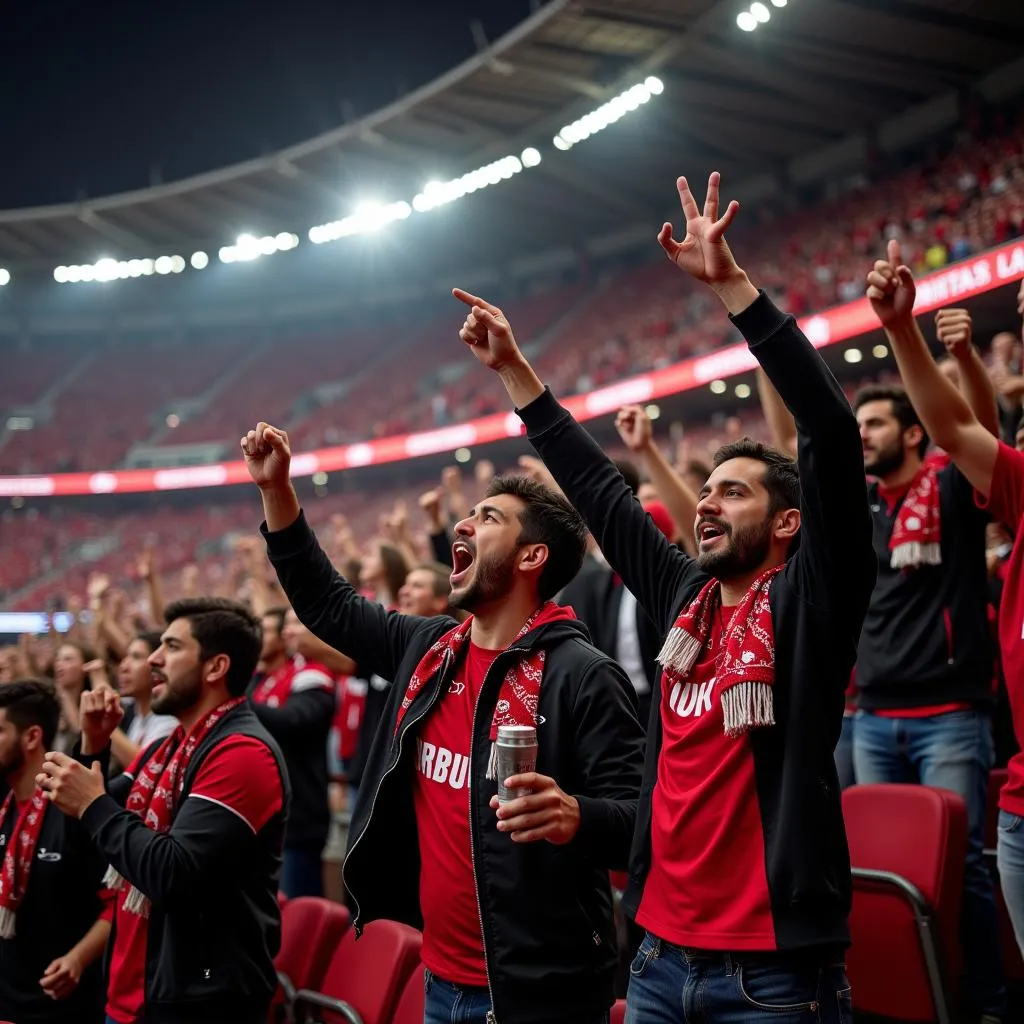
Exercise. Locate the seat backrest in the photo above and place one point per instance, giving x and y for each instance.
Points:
(311, 929)
(920, 834)
(369, 973)
(618, 1015)
(410, 1005)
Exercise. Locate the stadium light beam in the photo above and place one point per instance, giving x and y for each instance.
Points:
(608, 113)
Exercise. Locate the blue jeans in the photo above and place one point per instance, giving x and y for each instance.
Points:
(844, 753)
(955, 752)
(447, 1003)
(1011, 870)
(302, 873)
(671, 985)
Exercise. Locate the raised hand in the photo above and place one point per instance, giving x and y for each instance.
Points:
(703, 252)
(430, 504)
(891, 288)
(267, 455)
(953, 327)
(100, 713)
(634, 427)
(487, 332)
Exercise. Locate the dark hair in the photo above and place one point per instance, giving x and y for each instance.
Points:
(226, 627)
(547, 519)
(629, 473)
(31, 702)
(781, 479)
(278, 613)
(87, 652)
(441, 577)
(150, 638)
(697, 468)
(902, 409)
(396, 568)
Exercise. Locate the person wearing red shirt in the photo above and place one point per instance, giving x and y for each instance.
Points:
(514, 900)
(996, 471)
(740, 871)
(192, 831)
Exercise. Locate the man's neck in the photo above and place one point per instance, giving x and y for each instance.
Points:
(23, 781)
(142, 703)
(735, 589)
(274, 663)
(901, 477)
(199, 711)
(497, 625)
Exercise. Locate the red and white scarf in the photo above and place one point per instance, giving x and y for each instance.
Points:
(157, 787)
(745, 663)
(520, 689)
(18, 857)
(917, 533)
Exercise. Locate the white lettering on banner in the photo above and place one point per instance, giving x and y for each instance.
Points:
(955, 282)
(440, 765)
(445, 440)
(1010, 264)
(26, 486)
(691, 699)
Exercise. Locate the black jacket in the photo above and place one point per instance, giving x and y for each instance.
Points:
(301, 727)
(926, 637)
(817, 603)
(595, 595)
(214, 924)
(60, 905)
(548, 930)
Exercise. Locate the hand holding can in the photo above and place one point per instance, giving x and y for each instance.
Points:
(517, 755)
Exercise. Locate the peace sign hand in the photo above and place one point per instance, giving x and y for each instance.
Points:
(703, 253)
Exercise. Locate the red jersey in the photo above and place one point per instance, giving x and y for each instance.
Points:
(1006, 503)
(239, 774)
(453, 945)
(350, 702)
(708, 885)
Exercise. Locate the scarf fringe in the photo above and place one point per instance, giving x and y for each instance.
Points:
(137, 903)
(913, 552)
(6, 923)
(492, 763)
(111, 879)
(680, 650)
(747, 705)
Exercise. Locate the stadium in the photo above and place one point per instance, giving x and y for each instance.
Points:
(308, 286)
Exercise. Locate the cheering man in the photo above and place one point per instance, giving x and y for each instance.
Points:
(740, 871)
(53, 925)
(192, 832)
(295, 702)
(514, 901)
(997, 473)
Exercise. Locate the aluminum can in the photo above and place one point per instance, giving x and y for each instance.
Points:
(517, 754)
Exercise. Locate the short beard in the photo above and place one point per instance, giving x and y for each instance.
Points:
(887, 461)
(186, 695)
(15, 765)
(747, 549)
(491, 582)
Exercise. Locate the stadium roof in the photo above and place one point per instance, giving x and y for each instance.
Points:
(751, 104)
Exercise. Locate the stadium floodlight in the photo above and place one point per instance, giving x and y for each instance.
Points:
(880, 351)
(853, 355)
(5, 276)
(608, 113)
(439, 193)
(718, 387)
(742, 390)
(779, 3)
(249, 247)
(367, 217)
(530, 157)
(199, 261)
(60, 275)
(746, 21)
(760, 12)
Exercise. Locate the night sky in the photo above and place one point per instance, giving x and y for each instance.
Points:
(96, 94)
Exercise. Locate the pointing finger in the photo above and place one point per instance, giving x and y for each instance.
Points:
(473, 300)
(893, 252)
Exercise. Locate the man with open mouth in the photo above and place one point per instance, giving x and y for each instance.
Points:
(514, 899)
(740, 871)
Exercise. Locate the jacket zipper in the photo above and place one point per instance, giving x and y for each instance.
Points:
(491, 1017)
(409, 723)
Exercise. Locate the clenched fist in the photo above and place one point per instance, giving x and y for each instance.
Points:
(954, 330)
(268, 456)
(634, 427)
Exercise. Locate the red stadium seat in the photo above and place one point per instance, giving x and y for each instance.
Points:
(618, 1012)
(311, 929)
(410, 1006)
(907, 847)
(365, 977)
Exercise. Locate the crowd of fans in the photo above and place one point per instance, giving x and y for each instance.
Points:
(198, 665)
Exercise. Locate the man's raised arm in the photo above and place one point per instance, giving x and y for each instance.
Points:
(650, 567)
(944, 411)
(322, 598)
